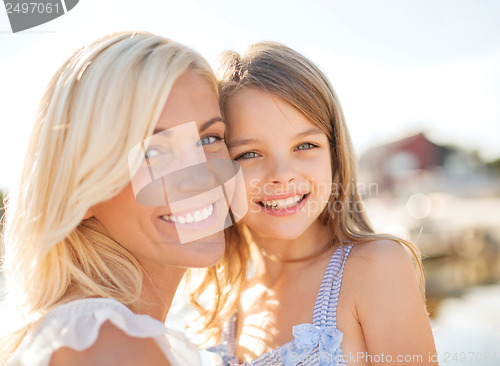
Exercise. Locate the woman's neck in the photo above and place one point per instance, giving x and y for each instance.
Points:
(158, 290)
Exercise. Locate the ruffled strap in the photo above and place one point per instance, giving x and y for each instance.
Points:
(77, 324)
(307, 338)
(311, 345)
(226, 357)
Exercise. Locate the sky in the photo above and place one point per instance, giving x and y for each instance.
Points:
(399, 67)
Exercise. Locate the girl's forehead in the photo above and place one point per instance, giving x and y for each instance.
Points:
(254, 109)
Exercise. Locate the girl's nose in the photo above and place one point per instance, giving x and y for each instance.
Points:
(281, 171)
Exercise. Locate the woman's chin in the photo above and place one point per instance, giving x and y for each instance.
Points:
(205, 252)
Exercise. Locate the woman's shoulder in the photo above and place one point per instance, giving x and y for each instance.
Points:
(87, 324)
(112, 347)
(82, 320)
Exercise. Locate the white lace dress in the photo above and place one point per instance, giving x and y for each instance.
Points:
(77, 323)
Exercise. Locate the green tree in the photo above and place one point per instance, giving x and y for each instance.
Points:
(494, 166)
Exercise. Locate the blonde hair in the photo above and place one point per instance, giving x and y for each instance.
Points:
(105, 99)
(283, 72)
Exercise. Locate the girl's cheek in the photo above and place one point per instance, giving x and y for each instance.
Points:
(252, 186)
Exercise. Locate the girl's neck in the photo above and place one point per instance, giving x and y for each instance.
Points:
(158, 290)
(278, 254)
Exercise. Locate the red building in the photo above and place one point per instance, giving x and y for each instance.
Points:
(397, 162)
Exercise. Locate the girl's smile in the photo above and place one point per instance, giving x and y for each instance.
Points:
(282, 206)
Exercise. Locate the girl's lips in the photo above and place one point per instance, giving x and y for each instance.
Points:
(281, 201)
(281, 196)
(283, 208)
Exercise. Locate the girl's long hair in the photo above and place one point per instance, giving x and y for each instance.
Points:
(283, 72)
(106, 98)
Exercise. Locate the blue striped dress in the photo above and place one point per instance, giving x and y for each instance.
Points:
(313, 344)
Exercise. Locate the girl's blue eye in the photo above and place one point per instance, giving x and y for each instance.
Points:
(248, 155)
(209, 140)
(305, 146)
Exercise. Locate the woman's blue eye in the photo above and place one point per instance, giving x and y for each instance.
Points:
(305, 146)
(209, 140)
(248, 155)
(151, 153)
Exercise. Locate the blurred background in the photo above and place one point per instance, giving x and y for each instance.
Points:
(419, 82)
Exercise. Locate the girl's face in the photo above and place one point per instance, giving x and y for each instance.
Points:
(285, 160)
(150, 232)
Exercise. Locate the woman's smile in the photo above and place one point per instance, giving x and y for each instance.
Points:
(195, 216)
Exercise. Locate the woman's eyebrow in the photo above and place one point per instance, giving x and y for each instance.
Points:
(205, 125)
(210, 122)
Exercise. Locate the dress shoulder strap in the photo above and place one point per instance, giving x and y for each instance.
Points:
(325, 310)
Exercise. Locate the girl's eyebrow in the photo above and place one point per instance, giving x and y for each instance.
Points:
(242, 142)
(313, 131)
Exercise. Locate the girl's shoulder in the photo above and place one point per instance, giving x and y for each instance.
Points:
(383, 302)
(378, 252)
(377, 266)
(381, 270)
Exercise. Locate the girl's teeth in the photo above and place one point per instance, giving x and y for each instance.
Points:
(285, 203)
(196, 216)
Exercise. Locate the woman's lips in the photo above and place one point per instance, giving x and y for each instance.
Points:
(194, 219)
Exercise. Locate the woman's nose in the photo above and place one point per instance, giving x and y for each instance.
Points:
(190, 181)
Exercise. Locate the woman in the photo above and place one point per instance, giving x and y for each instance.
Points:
(92, 261)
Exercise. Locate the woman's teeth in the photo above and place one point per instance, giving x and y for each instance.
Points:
(196, 216)
(284, 203)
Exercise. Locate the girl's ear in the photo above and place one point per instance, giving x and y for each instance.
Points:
(89, 214)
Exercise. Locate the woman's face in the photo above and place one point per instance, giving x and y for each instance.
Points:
(285, 160)
(151, 233)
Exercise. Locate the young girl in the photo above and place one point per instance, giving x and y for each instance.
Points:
(326, 289)
(91, 263)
